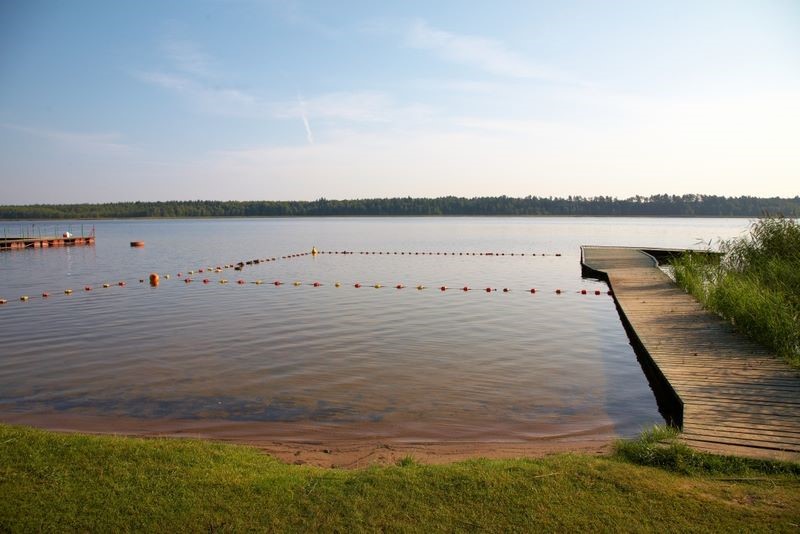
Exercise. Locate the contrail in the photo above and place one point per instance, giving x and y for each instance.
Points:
(304, 116)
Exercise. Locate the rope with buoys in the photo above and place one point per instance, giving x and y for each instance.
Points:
(155, 279)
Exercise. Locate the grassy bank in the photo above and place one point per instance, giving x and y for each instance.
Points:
(755, 285)
(51, 481)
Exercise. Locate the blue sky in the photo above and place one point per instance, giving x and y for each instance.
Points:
(116, 101)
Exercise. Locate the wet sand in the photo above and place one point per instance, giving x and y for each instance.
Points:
(307, 444)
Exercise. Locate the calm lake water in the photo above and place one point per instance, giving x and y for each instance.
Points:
(304, 362)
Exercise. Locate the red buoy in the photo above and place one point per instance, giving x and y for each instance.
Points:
(399, 286)
(206, 280)
(488, 289)
(121, 284)
(533, 290)
(505, 290)
(465, 288)
(240, 282)
(316, 284)
(443, 288)
(277, 282)
(596, 291)
(558, 291)
(356, 285)
(88, 288)
(45, 294)
(583, 291)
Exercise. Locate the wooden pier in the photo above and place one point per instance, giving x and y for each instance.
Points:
(22, 243)
(733, 395)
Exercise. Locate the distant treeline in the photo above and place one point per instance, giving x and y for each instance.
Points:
(656, 205)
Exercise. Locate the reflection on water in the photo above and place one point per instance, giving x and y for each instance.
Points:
(305, 360)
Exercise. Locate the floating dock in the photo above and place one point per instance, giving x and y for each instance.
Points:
(733, 396)
(21, 243)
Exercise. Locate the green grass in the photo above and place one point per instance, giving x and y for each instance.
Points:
(51, 481)
(755, 284)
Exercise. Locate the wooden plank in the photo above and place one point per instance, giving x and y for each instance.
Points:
(737, 396)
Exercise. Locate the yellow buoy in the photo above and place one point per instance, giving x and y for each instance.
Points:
(420, 286)
(377, 286)
(106, 285)
(314, 251)
(24, 298)
(338, 284)
(296, 283)
(68, 292)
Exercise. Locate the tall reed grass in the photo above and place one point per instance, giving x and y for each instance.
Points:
(755, 284)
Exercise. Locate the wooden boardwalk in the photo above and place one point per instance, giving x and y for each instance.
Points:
(735, 396)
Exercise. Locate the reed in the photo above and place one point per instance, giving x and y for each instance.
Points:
(755, 284)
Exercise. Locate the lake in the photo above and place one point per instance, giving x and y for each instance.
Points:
(302, 362)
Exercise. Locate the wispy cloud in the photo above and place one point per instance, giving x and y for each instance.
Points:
(106, 143)
(487, 54)
(210, 98)
(351, 106)
(191, 76)
(187, 57)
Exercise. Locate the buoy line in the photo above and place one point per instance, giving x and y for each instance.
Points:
(154, 279)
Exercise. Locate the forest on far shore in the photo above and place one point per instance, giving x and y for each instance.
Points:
(639, 206)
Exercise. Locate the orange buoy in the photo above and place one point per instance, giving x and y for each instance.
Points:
(137, 244)
(154, 279)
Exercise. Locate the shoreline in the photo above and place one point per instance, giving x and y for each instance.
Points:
(334, 448)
